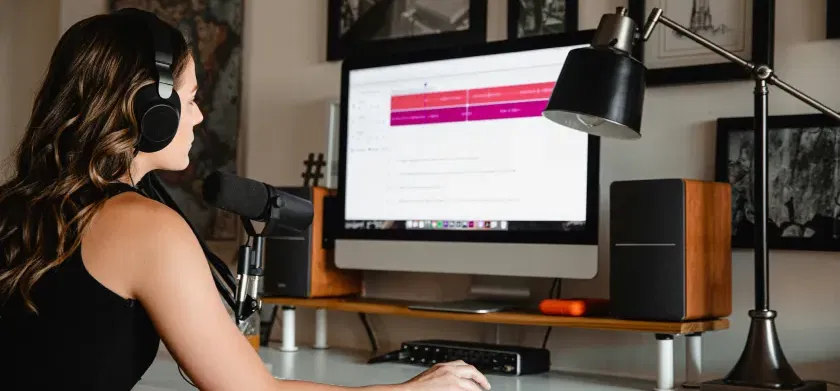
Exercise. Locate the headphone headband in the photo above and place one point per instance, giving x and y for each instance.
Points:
(162, 45)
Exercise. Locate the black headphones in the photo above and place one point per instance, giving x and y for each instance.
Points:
(157, 106)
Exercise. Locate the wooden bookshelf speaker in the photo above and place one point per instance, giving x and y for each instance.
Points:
(670, 249)
(304, 265)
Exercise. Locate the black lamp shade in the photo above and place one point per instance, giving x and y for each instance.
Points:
(600, 91)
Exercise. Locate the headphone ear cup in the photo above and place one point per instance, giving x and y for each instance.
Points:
(158, 118)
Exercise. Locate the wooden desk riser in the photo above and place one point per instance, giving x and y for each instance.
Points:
(663, 331)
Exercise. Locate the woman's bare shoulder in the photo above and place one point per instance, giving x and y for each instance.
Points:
(126, 237)
(132, 213)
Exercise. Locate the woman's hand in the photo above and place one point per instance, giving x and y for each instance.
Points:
(450, 376)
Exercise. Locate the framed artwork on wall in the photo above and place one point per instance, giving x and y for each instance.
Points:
(214, 31)
(832, 19)
(378, 27)
(803, 176)
(527, 18)
(744, 27)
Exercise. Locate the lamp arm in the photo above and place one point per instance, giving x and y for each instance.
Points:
(760, 71)
(774, 80)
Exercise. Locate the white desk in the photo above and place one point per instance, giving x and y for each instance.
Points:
(334, 366)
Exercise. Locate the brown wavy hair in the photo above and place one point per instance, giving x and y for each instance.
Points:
(80, 137)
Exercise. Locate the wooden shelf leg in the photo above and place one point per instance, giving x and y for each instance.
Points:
(320, 329)
(693, 360)
(664, 362)
(288, 329)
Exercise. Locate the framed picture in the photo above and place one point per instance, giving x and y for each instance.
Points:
(803, 175)
(527, 18)
(378, 27)
(832, 19)
(218, 58)
(744, 27)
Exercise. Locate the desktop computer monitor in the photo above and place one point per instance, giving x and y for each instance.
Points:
(447, 165)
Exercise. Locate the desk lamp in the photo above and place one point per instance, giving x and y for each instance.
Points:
(601, 90)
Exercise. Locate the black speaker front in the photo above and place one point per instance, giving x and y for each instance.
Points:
(287, 265)
(647, 249)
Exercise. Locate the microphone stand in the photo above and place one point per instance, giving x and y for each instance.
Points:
(249, 268)
(249, 271)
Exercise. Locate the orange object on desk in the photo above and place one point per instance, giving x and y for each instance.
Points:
(574, 307)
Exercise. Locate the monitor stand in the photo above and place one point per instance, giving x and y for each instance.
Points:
(482, 299)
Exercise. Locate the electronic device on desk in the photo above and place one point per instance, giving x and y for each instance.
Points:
(575, 307)
(670, 249)
(487, 358)
(446, 165)
(302, 264)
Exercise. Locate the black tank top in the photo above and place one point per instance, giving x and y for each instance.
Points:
(85, 337)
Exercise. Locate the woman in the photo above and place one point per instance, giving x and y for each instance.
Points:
(93, 274)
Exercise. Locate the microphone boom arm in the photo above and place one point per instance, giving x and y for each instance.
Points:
(250, 258)
(249, 271)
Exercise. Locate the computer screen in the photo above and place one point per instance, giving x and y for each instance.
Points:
(454, 146)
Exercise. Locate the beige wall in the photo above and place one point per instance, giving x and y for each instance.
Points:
(287, 84)
(28, 31)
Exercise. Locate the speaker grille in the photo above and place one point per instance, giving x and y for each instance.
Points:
(647, 249)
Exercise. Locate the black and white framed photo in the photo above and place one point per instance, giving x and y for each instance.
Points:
(379, 27)
(528, 18)
(832, 19)
(803, 175)
(744, 27)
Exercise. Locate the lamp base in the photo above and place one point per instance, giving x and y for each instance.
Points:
(762, 365)
(720, 385)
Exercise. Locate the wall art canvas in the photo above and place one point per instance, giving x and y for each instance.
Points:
(527, 18)
(379, 27)
(803, 177)
(743, 27)
(214, 30)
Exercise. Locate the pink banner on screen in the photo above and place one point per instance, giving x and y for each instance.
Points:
(472, 113)
(480, 104)
(507, 110)
(431, 99)
(430, 116)
(510, 93)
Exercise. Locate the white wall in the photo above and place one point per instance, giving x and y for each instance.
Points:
(286, 85)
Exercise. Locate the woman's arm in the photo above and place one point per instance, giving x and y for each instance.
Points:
(450, 376)
(174, 284)
(172, 280)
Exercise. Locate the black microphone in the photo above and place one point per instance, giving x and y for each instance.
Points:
(257, 201)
